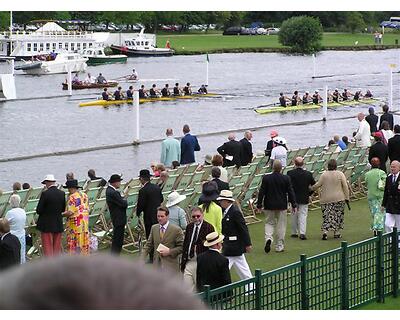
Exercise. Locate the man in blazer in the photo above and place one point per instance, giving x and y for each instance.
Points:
(274, 192)
(216, 174)
(212, 266)
(231, 152)
(193, 245)
(394, 144)
(386, 116)
(391, 198)
(117, 206)
(237, 238)
(50, 207)
(301, 181)
(189, 144)
(247, 148)
(10, 248)
(166, 241)
(378, 150)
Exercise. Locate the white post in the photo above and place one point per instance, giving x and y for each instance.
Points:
(69, 81)
(207, 69)
(11, 28)
(12, 67)
(11, 22)
(390, 88)
(136, 104)
(325, 103)
(313, 65)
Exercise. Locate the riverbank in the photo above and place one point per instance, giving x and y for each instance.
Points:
(217, 43)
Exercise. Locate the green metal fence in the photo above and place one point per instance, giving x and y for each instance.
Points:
(341, 279)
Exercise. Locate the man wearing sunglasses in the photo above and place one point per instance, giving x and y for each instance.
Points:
(195, 235)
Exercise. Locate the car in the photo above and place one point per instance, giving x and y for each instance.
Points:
(261, 31)
(272, 31)
(233, 31)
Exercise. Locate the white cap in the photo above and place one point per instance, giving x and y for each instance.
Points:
(49, 177)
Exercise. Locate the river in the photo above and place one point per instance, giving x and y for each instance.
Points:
(249, 79)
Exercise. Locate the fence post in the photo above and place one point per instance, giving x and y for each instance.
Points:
(395, 261)
(344, 275)
(258, 288)
(207, 295)
(303, 282)
(379, 267)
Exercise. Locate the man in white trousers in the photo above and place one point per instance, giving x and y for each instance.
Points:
(237, 240)
(363, 134)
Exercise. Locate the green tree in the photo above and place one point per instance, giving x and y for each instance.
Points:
(4, 20)
(355, 21)
(303, 34)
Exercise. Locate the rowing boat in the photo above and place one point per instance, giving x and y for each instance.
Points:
(76, 86)
(145, 100)
(313, 106)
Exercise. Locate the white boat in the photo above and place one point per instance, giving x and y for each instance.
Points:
(61, 64)
(47, 39)
(97, 56)
(142, 45)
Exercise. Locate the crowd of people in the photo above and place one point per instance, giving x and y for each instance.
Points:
(217, 238)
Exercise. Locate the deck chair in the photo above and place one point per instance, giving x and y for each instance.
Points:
(246, 202)
(231, 171)
(4, 198)
(96, 221)
(31, 205)
(318, 165)
(93, 194)
(34, 194)
(170, 183)
(235, 180)
(135, 232)
(197, 178)
(90, 184)
(191, 168)
(302, 152)
(185, 181)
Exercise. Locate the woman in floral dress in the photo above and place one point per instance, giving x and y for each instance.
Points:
(77, 225)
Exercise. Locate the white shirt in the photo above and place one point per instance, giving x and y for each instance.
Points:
(165, 226)
(387, 134)
(17, 219)
(279, 153)
(363, 135)
(227, 209)
(191, 239)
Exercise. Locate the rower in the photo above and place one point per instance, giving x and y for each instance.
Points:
(154, 93)
(101, 79)
(316, 98)
(105, 95)
(306, 98)
(283, 99)
(142, 92)
(186, 90)
(133, 76)
(129, 93)
(118, 95)
(357, 95)
(177, 91)
(202, 89)
(368, 94)
(89, 79)
(346, 95)
(295, 98)
(336, 95)
(76, 80)
(165, 91)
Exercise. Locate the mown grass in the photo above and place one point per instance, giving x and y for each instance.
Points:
(389, 304)
(214, 42)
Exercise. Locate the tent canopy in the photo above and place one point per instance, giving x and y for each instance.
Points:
(50, 27)
(390, 24)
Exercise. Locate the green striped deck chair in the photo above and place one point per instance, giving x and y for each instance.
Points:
(81, 183)
(291, 154)
(252, 168)
(316, 157)
(236, 190)
(247, 203)
(185, 181)
(332, 147)
(207, 172)
(4, 198)
(191, 168)
(342, 156)
(306, 158)
(241, 170)
(356, 159)
(90, 184)
(31, 205)
(197, 178)
(309, 152)
(30, 219)
(23, 194)
(194, 199)
(170, 183)
(34, 194)
(231, 171)
(134, 189)
(262, 163)
(132, 199)
(318, 165)
(256, 181)
(135, 232)
(302, 152)
(319, 149)
(327, 156)
(308, 165)
(133, 183)
(234, 180)
(245, 179)
(197, 187)
(96, 220)
(287, 168)
(93, 194)
(257, 159)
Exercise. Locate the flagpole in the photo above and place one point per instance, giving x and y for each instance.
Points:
(207, 70)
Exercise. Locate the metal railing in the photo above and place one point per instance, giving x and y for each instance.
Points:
(342, 279)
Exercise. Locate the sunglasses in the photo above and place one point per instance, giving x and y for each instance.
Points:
(196, 216)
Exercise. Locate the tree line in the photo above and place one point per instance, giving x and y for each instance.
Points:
(346, 21)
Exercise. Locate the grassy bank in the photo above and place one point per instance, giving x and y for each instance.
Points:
(196, 44)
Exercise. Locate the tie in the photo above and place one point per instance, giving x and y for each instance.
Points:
(196, 233)
(162, 232)
(394, 179)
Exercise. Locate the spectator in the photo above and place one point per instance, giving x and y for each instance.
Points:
(274, 193)
(246, 148)
(69, 176)
(217, 161)
(339, 142)
(159, 169)
(363, 134)
(189, 144)
(212, 211)
(375, 181)
(193, 245)
(345, 139)
(175, 164)
(391, 197)
(166, 241)
(92, 177)
(301, 180)
(177, 215)
(216, 174)
(16, 186)
(16, 217)
(386, 116)
(394, 145)
(10, 248)
(379, 150)
(163, 179)
(334, 194)
(77, 222)
(372, 120)
(386, 132)
(26, 186)
(279, 152)
(170, 149)
(270, 144)
(207, 159)
(50, 208)
(231, 151)
(153, 167)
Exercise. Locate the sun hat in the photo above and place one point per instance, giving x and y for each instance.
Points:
(208, 158)
(115, 178)
(279, 140)
(273, 134)
(378, 134)
(226, 195)
(49, 177)
(71, 184)
(174, 198)
(213, 238)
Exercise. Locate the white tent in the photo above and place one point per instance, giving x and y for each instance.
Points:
(50, 27)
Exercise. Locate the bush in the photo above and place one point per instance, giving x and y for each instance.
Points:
(302, 34)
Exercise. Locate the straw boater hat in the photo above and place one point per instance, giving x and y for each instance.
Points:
(208, 158)
(49, 178)
(174, 198)
(213, 238)
(226, 195)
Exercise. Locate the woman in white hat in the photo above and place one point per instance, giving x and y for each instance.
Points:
(177, 215)
(279, 152)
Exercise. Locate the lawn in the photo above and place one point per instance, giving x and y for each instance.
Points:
(214, 42)
(390, 304)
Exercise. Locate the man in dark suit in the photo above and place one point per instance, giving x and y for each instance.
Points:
(301, 181)
(189, 144)
(386, 116)
(50, 207)
(391, 198)
(372, 120)
(231, 152)
(379, 150)
(247, 149)
(237, 238)
(117, 206)
(212, 266)
(10, 248)
(394, 145)
(195, 236)
(216, 174)
(275, 190)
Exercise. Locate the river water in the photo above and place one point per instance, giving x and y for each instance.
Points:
(249, 79)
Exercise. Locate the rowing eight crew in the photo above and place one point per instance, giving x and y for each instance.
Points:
(316, 98)
(153, 92)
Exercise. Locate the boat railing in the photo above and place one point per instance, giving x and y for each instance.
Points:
(48, 34)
